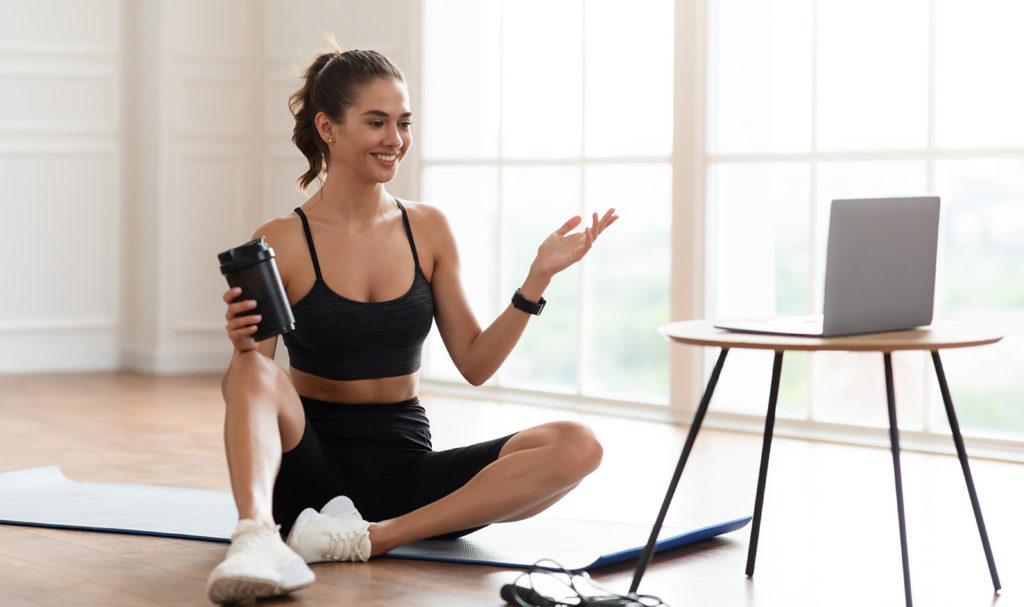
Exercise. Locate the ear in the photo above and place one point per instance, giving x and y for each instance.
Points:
(325, 126)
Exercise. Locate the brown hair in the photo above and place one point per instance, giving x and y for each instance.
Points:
(331, 85)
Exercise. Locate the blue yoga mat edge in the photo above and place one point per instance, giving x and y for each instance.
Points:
(157, 511)
(675, 541)
(180, 536)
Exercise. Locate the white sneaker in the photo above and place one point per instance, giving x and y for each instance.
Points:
(258, 564)
(336, 533)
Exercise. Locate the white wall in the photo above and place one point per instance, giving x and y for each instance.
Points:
(137, 140)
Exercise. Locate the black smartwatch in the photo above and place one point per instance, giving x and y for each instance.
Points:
(530, 307)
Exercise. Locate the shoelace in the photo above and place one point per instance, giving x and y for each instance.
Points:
(343, 544)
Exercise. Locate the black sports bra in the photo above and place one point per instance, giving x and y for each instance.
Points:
(339, 338)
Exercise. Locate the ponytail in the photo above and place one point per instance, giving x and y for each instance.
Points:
(330, 85)
(305, 135)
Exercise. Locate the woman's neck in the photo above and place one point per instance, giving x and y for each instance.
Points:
(350, 202)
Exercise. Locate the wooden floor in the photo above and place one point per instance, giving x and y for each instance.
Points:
(829, 535)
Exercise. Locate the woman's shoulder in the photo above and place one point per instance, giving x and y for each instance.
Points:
(425, 214)
(433, 234)
(282, 233)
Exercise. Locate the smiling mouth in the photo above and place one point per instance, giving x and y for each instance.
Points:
(386, 157)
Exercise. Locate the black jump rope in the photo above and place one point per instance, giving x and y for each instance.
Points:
(527, 595)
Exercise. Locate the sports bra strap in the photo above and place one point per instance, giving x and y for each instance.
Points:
(309, 241)
(408, 232)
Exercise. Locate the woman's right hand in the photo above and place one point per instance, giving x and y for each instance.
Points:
(240, 326)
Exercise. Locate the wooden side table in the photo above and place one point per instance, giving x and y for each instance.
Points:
(933, 338)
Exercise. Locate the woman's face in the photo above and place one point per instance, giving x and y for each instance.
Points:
(377, 131)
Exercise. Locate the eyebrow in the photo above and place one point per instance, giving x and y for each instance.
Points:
(385, 114)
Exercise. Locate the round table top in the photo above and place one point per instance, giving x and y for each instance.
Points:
(936, 336)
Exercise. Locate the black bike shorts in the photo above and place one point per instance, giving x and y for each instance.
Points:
(380, 456)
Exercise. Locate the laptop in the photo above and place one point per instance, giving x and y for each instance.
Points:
(879, 271)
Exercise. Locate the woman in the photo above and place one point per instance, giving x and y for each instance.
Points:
(342, 439)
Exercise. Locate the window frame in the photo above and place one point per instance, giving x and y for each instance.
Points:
(934, 435)
(690, 162)
(577, 399)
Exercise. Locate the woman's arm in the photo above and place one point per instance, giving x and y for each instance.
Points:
(477, 353)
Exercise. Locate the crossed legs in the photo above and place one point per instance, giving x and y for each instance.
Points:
(535, 469)
(264, 418)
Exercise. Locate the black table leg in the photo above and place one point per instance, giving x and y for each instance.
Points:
(894, 440)
(766, 447)
(961, 453)
(698, 419)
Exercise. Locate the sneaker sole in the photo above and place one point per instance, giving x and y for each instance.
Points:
(231, 588)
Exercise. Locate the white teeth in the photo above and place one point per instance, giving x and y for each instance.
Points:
(387, 157)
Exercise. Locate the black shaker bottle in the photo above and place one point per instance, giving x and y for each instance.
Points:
(251, 266)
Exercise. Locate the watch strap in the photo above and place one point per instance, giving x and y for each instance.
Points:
(530, 307)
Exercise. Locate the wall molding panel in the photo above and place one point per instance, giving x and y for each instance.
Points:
(209, 105)
(137, 141)
(279, 87)
(68, 195)
(208, 216)
(66, 27)
(206, 30)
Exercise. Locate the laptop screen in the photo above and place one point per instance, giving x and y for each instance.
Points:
(880, 269)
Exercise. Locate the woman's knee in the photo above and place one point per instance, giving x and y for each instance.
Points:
(255, 384)
(579, 451)
(251, 375)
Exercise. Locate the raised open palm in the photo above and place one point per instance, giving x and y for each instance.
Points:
(564, 247)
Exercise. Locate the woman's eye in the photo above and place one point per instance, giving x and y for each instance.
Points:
(405, 125)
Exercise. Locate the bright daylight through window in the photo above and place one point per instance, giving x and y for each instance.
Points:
(811, 100)
(527, 121)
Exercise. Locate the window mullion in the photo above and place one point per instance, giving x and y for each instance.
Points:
(499, 214)
(815, 261)
(928, 388)
(581, 318)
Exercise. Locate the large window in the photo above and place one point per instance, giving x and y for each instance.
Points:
(534, 111)
(811, 100)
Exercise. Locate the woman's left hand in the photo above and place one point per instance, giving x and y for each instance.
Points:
(562, 249)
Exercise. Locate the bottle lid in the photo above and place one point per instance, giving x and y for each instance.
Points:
(243, 256)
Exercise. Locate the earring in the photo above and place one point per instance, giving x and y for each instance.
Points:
(331, 140)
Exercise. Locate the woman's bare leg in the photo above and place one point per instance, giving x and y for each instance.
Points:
(535, 469)
(263, 419)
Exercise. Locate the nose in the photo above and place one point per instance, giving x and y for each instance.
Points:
(392, 137)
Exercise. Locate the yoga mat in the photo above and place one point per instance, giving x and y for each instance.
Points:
(44, 497)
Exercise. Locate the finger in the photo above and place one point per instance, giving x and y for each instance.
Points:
(599, 223)
(607, 221)
(608, 217)
(569, 225)
(232, 293)
(242, 332)
(239, 307)
(243, 322)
